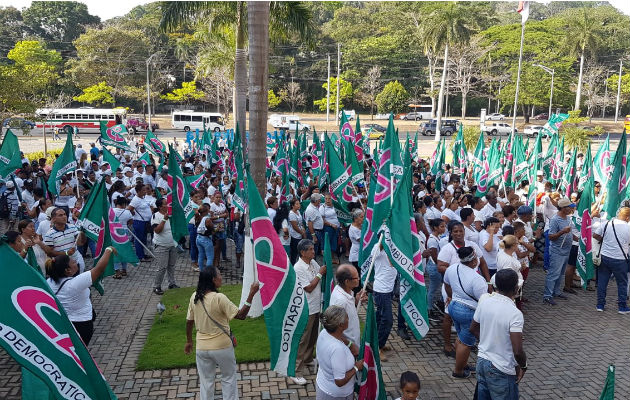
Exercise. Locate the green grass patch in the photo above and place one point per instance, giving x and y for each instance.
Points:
(164, 347)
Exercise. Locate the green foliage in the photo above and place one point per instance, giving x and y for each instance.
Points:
(185, 94)
(101, 93)
(471, 137)
(345, 93)
(36, 155)
(273, 100)
(625, 85)
(164, 347)
(576, 135)
(393, 98)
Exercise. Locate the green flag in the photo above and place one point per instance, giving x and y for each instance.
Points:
(37, 333)
(328, 283)
(371, 386)
(602, 163)
(460, 154)
(10, 157)
(608, 392)
(144, 159)
(180, 205)
(114, 136)
(583, 222)
(111, 159)
(64, 164)
(617, 184)
(154, 145)
(283, 298)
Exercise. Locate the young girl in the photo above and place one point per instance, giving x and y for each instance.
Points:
(409, 386)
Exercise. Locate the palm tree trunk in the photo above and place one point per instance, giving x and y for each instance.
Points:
(432, 81)
(240, 70)
(578, 95)
(438, 124)
(258, 22)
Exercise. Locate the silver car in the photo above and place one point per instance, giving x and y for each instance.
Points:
(495, 117)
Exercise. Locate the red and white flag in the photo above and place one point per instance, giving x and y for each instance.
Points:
(523, 9)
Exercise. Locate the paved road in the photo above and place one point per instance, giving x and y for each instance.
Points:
(569, 348)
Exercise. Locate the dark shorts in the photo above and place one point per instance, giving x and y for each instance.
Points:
(573, 255)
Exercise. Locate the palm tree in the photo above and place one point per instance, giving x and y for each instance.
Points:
(258, 21)
(285, 19)
(445, 26)
(582, 38)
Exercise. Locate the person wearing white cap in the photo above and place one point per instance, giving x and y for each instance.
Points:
(128, 178)
(560, 237)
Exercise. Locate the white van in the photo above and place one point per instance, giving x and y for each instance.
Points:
(287, 123)
(189, 120)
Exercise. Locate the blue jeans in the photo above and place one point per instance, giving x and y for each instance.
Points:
(435, 284)
(239, 240)
(122, 266)
(192, 232)
(493, 384)
(462, 317)
(546, 258)
(555, 274)
(384, 317)
(319, 245)
(140, 230)
(333, 235)
(91, 244)
(618, 268)
(206, 251)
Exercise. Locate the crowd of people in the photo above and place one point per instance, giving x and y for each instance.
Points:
(477, 252)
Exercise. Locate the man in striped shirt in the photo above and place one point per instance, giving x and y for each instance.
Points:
(63, 238)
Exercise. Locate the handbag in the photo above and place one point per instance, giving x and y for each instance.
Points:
(229, 333)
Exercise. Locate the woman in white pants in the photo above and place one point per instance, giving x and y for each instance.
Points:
(210, 312)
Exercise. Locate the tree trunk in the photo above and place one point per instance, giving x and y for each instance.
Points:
(240, 70)
(258, 22)
(432, 82)
(438, 124)
(464, 99)
(578, 94)
(525, 113)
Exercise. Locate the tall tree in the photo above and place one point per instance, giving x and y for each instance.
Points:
(258, 21)
(371, 85)
(452, 23)
(292, 94)
(582, 38)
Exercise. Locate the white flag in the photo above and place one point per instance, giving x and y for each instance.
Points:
(523, 9)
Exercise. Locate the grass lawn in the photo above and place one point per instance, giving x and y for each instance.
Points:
(164, 347)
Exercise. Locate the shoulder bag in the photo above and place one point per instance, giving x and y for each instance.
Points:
(229, 333)
(462, 286)
(597, 258)
(619, 243)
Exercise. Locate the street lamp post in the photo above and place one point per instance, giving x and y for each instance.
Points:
(552, 72)
(149, 90)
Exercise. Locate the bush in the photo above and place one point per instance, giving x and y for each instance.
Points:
(393, 98)
(35, 156)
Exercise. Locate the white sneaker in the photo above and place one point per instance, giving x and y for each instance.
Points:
(298, 380)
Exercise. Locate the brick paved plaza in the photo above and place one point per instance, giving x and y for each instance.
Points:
(568, 346)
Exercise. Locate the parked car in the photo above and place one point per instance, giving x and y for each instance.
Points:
(533, 130)
(135, 124)
(289, 123)
(412, 116)
(498, 129)
(374, 131)
(350, 114)
(495, 117)
(541, 116)
(449, 126)
(17, 122)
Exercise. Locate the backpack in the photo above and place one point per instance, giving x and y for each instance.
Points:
(5, 209)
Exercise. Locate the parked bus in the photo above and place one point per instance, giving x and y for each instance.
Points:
(419, 112)
(82, 118)
(189, 120)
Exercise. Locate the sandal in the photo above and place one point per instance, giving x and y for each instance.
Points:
(124, 272)
(463, 375)
(449, 353)
(117, 275)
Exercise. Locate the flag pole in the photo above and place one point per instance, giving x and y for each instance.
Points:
(141, 244)
(518, 77)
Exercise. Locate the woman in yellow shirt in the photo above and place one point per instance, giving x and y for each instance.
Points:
(211, 312)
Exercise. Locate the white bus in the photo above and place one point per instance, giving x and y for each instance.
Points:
(82, 118)
(189, 120)
(419, 112)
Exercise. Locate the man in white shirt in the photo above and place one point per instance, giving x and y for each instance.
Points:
(309, 275)
(498, 324)
(343, 296)
(272, 207)
(165, 247)
(614, 236)
(315, 222)
(491, 207)
(385, 275)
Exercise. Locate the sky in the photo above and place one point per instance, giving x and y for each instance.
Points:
(115, 8)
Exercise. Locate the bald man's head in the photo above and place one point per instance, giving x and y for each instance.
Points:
(347, 276)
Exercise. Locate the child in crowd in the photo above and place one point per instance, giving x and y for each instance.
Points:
(409, 386)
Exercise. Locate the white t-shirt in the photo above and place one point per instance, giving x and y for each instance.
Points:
(471, 234)
(311, 214)
(164, 238)
(432, 213)
(141, 208)
(505, 260)
(497, 316)
(305, 274)
(340, 297)
(384, 274)
(334, 359)
(488, 210)
(451, 215)
(354, 234)
(297, 217)
(271, 212)
(123, 216)
(433, 243)
(75, 296)
(610, 247)
(287, 241)
(448, 253)
(473, 284)
(490, 256)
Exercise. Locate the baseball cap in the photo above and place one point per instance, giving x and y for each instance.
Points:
(10, 185)
(126, 169)
(565, 203)
(524, 210)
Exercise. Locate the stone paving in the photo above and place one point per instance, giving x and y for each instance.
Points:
(569, 347)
